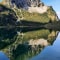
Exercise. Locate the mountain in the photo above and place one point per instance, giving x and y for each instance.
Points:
(32, 10)
(28, 13)
(21, 3)
(25, 3)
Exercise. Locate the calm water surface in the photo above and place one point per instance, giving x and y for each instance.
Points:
(41, 44)
(50, 52)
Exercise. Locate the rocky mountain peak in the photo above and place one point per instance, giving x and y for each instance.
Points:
(32, 6)
(22, 3)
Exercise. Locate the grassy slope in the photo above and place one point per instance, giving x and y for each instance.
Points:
(52, 14)
(42, 18)
(35, 17)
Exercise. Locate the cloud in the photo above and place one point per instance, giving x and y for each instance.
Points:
(58, 13)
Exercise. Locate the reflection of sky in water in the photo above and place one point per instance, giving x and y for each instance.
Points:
(3, 56)
(50, 52)
(57, 42)
(0, 0)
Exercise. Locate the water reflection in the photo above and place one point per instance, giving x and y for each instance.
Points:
(50, 52)
(21, 42)
(6, 37)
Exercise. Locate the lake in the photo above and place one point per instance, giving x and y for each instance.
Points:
(30, 44)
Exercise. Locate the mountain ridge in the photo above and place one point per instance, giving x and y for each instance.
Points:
(23, 9)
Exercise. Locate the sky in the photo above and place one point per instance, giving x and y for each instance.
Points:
(55, 4)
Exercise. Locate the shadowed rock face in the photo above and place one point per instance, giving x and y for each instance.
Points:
(22, 3)
(25, 3)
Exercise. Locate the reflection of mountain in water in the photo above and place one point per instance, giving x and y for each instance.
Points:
(7, 37)
(27, 44)
(33, 39)
(51, 52)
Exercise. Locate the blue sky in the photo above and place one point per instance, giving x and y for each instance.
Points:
(55, 4)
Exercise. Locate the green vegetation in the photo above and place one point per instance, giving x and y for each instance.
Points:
(7, 16)
(46, 17)
(6, 37)
(27, 54)
(52, 14)
(24, 50)
(36, 34)
(54, 25)
(9, 37)
(35, 17)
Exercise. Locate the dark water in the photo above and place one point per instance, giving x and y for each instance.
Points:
(30, 44)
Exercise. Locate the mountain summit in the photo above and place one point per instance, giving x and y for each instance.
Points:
(22, 3)
(30, 5)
